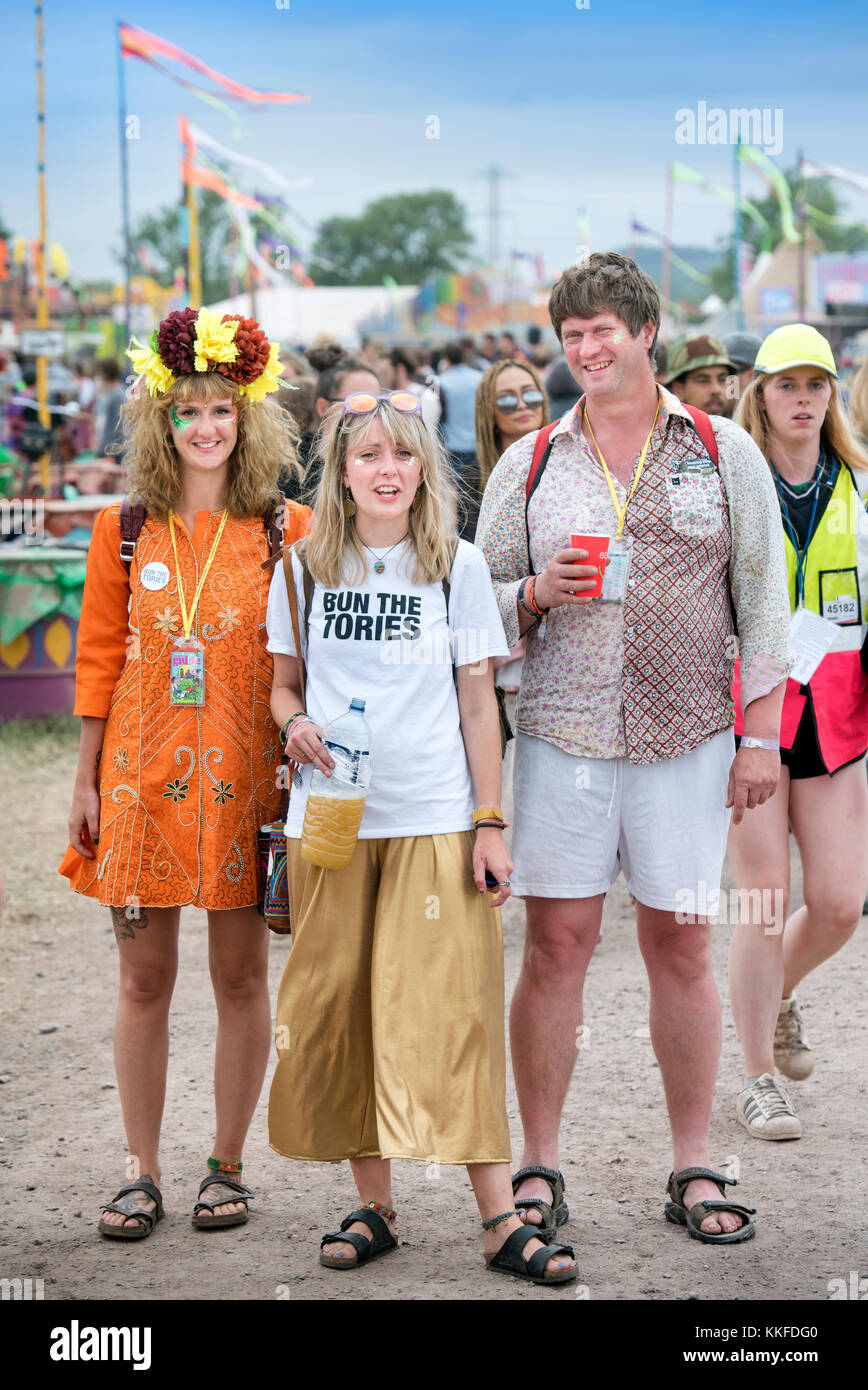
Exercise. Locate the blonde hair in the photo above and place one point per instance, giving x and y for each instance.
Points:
(859, 402)
(835, 434)
(488, 445)
(267, 438)
(333, 551)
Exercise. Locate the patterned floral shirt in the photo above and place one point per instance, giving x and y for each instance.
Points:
(649, 678)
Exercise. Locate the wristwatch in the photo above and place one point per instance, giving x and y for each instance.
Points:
(771, 745)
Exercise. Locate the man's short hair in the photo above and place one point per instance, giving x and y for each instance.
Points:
(606, 282)
(454, 354)
(108, 368)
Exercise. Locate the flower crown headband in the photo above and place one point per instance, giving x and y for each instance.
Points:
(191, 340)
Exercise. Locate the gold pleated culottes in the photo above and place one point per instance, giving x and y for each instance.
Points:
(390, 1032)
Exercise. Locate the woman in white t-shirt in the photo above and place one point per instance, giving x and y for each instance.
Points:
(390, 1011)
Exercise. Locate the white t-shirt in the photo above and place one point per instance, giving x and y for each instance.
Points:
(388, 641)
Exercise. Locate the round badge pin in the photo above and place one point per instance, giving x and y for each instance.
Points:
(155, 575)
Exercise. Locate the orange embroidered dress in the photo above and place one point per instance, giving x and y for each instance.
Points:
(183, 789)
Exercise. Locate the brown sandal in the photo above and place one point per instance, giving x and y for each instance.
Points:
(235, 1191)
(678, 1214)
(147, 1220)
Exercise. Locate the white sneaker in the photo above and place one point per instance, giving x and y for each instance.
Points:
(793, 1055)
(766, 1111)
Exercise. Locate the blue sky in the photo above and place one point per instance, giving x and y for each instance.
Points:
(577, 106)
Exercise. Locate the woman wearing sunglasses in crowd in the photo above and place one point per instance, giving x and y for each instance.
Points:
(391, 1003)
(511, 401)
(178, 750)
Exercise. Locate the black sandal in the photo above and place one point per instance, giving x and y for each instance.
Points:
(235, 1192)
(147, 1220)
(380, 1242)
(510, 1260)
(678, 1214)
(554, 1215)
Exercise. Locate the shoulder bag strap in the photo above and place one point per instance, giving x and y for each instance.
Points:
(293, 612)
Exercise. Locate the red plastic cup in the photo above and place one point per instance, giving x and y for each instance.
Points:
(597, 548)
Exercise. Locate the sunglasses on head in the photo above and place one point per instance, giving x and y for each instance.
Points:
(509, 401)
(365, 403)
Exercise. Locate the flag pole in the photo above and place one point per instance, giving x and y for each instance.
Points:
(125, 184)
(737, 234)
(667, 245)
(42, 301)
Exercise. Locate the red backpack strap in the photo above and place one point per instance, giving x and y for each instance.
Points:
(702, 424)
(132, 520)
(541, 450)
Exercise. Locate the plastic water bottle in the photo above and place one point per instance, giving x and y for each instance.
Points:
(335, 804)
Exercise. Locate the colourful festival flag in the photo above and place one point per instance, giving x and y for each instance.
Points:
(750, 154)
(138, 43)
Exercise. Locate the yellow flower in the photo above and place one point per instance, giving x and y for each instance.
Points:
(268, 379)
(215, 341)
(149, 364)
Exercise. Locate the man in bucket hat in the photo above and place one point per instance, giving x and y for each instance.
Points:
(697, 372)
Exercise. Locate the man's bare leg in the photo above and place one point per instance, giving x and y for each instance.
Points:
(685, 1034)
(543, 1024)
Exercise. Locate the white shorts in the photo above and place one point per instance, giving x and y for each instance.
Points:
(578, 822)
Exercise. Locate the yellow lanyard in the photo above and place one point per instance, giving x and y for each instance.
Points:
(622, 512)
(187, 618)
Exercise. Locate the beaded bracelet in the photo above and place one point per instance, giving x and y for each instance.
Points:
(381, 1210)
(284, 728)
(496, 1220)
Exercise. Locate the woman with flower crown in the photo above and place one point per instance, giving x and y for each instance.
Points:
(176, 770)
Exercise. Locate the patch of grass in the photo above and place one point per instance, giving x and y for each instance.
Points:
(24, 735)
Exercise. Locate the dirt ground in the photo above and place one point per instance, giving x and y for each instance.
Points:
(62, 1145)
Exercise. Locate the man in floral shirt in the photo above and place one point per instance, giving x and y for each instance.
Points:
(625, 756)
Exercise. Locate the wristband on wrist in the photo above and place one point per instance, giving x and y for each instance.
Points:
(491, 825)
(772, 745)
(286, 727)
(540, 612)
(523, 602)
(487, 813)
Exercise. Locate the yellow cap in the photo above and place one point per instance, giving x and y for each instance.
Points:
(795, 345)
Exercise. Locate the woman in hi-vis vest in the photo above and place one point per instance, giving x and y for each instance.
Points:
(792, 410)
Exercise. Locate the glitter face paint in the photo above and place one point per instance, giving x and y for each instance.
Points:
(618, 336)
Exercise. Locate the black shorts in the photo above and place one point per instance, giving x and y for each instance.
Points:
(804, 759)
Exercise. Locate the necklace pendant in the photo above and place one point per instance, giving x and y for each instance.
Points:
(379, 567)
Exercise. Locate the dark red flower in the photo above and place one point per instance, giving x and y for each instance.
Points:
(253, 351)
(175, 338)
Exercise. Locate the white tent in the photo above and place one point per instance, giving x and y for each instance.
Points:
(293, 315)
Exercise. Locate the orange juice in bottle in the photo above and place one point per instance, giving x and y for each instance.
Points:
(335, 804)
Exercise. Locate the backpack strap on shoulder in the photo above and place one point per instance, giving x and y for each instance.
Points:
(703, 427)
(132, 520)
(541, 450)
(447, 582)
(272, 520)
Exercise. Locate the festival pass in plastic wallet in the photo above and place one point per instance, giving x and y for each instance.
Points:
(617, 571)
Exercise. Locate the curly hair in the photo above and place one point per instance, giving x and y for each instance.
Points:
(835, 433)
(334, 541)
(488, 443)
(267, 438)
